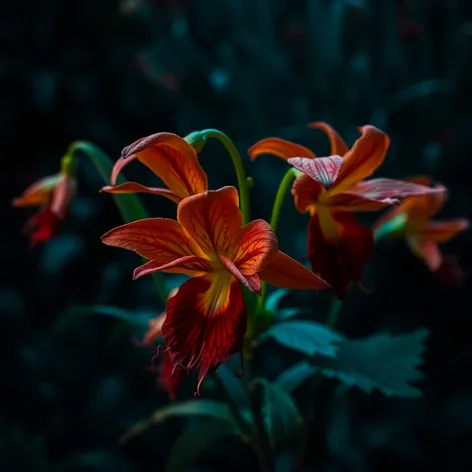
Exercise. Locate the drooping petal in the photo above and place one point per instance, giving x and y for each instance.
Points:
(338, 146)
(159, 239)
(441, 231)
(306, 192)
(38, 193)
(323, 170)
(284, 272)
(367, 153)
(134, 187)
(118, 167)
(212, 219)
(256, 243)
(280, 148)
(427, 251)
(194, 266)
(64, 193)
(251, 282)
(173, 160)
(205, 324)
(347, 201)
(342, 260)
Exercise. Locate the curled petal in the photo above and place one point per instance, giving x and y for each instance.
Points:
(428, 252)
(120, 164)
(323, 170)
(280, 148)
(134, 187)
(38, 193)
(194, 266)
(205, 323)
(251, 282)
(306, 192)
(65, 192)
(212, 219)
(284, 272)
(441, 231)
(338, 146)
(257, 244)
(367, 153)
(161, 240)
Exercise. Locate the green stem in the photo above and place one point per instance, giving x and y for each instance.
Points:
(285, 185)
(238, 166)
(129, 205)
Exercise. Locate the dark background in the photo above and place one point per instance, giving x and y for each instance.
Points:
(111, 72)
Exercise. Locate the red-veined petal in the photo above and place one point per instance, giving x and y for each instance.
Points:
(251, 282)
(284, 272)
(159, 239)
(338, 146)
(212, 219)
(367, 153)
(323, 170)
(134, 187)
(194, 266)
(256, 244)
(306, 192)
(426, 251)
(205, 323)
(38, 193)
(280, 148)
(441, 231)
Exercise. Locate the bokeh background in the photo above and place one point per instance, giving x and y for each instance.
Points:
(113, 71)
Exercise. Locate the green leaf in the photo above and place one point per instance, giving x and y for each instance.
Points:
(196, 439)
(273, 299)
(308, 337)
(282, 419)
(295, 375)
(208, 408)
(384, 362)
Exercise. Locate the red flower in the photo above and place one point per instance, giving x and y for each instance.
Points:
(331, 187)
(206, 320)
(54, 195)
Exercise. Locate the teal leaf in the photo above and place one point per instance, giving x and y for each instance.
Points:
(206, 408)
(308, 337)
(196, 439)
(274, 298)
(295, 375)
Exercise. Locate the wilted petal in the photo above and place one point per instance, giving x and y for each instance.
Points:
(212, 219)
(306, 192)
(134, 187)
(205, 323)
(284, 272)
(323, 170)
(38, 193)
(338, 146)
(280, 148)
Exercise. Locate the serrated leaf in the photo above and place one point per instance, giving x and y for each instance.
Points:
(274, 298)
(196, 439)
(384, 362)
(282, 420)
(208, 408)
(295, 375)
(308, 337)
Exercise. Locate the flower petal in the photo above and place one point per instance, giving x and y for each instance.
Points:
(428, 252)
(251, 282)
(154, 330)
(38, 193)
(42, 226)
(257, 244)
(367, 153)
(348, 201)
(338, 146)
(119, 165)
(306, 192)
(205, 323)
(194, 266)
(323, 170)
(284, 272)
(212, 219)
(342, 260)
(280, 148)
(441, 231)
(65, 192)
(173, 160)
(134, 187)
(159, 239)
(168, 377)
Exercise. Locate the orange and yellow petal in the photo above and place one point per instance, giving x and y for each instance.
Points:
(212, 219)
(338, 146)
(134, 187)
(193, 266)
(367, 153)
(255, 244)
(323, 170)
(159, 239)
(441, 231)
(173, 160)
(38, 193)
(306, 192)
(280, 148)
(284, 272)
(205, 323)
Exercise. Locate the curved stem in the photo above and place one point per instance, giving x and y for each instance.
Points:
(238, 166)
(129, 205)
(285, 185)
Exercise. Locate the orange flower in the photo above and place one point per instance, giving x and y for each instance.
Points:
(412, 220)
(330, 187)
(171, 158)
(54, 195)
(206, 319)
